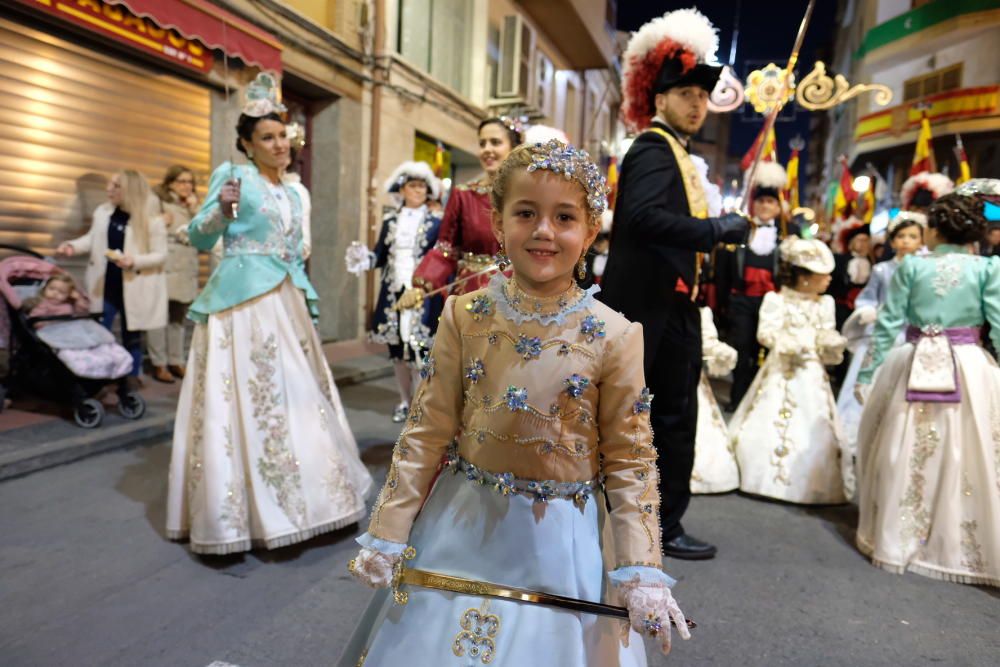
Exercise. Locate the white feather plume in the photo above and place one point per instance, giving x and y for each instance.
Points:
(414, 171)
(769, 174)
(938, 184)
(688, 27)
(542, 134)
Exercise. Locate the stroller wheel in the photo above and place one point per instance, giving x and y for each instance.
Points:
(131, 405)
(89, 413)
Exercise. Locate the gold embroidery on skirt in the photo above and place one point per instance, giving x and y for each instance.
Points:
(915, 518)
(972, 551)
(194, 462)
(479, 629)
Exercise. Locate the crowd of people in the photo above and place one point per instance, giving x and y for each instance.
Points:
(536, 353)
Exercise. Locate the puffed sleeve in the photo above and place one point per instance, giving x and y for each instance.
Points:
(441, 262)
(433, 423)
(830, 344)
(771, 319)
(991, 299)
(627, 453)
(891, 318)
(208, 223)
(718, 357)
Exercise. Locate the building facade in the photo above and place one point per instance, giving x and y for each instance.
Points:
(938, 58)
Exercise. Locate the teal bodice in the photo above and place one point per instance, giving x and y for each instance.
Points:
(950, 288)
(259, 251)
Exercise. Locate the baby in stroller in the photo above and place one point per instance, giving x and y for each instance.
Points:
(61, 317)
(57, 350)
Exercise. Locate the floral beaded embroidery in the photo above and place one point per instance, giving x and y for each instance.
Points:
(427, 369)
(644, 403)
(575, 384)
(516, 398)
(475, 370)
(947, 274)
(480, 307)
(528, 348)
(479, 630)
(592, 328)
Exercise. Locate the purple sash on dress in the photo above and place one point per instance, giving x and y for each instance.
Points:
(955, 336)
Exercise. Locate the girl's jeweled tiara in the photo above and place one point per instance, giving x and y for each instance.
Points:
(560, 158)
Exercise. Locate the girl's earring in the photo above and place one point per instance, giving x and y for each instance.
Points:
(581, 266)
(501, 259)
(250, 154)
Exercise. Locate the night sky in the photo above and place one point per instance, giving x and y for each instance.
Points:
(766, 34)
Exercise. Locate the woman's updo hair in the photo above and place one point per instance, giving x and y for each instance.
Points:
(958, 219)
(246, 125)
(788, 274)
(512, 134)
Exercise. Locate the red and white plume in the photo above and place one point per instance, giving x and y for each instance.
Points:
(684, 33)
(935, 183)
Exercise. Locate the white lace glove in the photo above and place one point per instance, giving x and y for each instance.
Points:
(373, 568)
(651, 608)
(721, 361)
(358, 258)
(866, 315)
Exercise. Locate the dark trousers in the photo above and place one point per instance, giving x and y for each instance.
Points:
(673, 380)
(744, 313)
(131, 340)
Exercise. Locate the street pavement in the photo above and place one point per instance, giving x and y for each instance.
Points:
(87, 578)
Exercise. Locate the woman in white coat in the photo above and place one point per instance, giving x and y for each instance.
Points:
(133, 283)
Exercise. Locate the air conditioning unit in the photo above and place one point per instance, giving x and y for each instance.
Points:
(517, 42)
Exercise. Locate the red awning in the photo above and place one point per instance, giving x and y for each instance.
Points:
(213, 27)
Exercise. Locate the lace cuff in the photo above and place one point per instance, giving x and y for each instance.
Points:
(385, 546)
(646, 574)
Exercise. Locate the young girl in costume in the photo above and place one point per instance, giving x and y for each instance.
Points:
(785, 431)
(929, 448)
(537, 390)
(715, 469)
(407, 234)
(906, 236)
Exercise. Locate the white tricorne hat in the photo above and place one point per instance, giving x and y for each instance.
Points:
(809, 254)
(413, 171)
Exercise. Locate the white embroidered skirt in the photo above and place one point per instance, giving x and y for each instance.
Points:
(929, 473)
(262, 452)
(466, 529)
(715, 469)
(786, 435)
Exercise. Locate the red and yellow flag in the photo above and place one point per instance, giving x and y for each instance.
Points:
(793, 180)
(923, 156)
(964, 171)
(768, 154)
(846, 194)
(612, 182)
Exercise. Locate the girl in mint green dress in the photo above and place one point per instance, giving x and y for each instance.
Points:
(929, 439)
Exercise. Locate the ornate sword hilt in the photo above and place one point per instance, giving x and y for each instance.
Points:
(400, 596)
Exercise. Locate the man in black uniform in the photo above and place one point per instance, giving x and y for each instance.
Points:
(659, 230)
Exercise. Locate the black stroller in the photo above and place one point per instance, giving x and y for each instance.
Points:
(34, 366)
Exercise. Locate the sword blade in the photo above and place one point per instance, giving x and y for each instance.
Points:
(453, 584)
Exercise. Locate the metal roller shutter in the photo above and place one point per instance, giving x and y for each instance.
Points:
(70, 117)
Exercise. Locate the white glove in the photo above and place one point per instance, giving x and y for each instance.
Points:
(373, 568)
(358, 258)
(651, 608)
(867, 315)
(721, 360)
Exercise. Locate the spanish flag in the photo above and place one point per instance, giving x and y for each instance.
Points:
(793, 180)
(612, 182)
(964, 172)
(923, 157)
(845, 192)
(769, 153)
